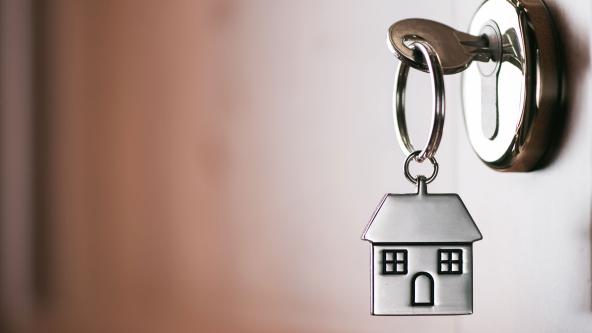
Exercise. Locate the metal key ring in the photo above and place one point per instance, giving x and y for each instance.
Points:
(437, 79)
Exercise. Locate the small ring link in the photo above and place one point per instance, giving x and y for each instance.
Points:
(413, 156)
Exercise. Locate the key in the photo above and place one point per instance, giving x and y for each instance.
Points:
(456, 49)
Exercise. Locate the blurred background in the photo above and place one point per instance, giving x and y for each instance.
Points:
(209, 165)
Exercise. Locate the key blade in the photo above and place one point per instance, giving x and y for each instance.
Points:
(455, 49)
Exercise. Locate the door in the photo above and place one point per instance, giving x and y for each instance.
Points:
(208, 166)
(422, 289)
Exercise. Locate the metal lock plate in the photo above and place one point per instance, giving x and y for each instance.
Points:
(509, 104)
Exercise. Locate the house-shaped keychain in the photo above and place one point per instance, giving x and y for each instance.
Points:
(422, 254)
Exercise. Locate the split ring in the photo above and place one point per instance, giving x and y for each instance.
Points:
(413, 156)
(437, 79)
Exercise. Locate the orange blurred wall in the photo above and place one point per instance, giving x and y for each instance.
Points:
(135, 160)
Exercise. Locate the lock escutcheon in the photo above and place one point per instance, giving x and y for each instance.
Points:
(511, 76)
(509, 113)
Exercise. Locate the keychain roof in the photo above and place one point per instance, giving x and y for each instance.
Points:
(421, 218)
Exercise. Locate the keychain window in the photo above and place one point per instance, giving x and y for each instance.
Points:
(450, 261)
(394, 261)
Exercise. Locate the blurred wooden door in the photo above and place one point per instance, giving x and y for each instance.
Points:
(208, 166)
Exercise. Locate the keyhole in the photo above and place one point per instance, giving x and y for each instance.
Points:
(489, 70)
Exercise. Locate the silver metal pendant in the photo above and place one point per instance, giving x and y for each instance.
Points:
(422, 244)
(422, 254)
